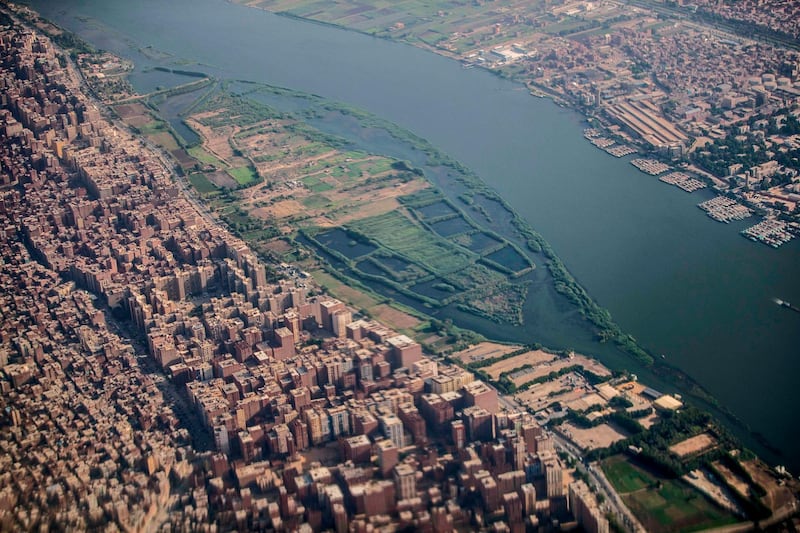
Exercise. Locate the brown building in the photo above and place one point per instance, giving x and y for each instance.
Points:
(479, 423)
(357, 449)
(480, 394)
(388, 456)
(405, 351)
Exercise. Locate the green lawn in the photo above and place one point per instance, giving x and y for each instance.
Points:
(380, 166)
(663, 504)
(316, 201)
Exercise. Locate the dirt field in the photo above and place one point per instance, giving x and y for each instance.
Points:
(484, 350)
(130, 110)
(183, 158)
(711, 488)
(732, 479)
(542, 369)
(585, 402)
(278, 210)
(648, 421)
(536, 358)
(777, 495)
(601, 436)
(215, 140)
(565, 389)
(135, 115)
(166, 140)
(394, 317)
(221, 179)
(693, 445)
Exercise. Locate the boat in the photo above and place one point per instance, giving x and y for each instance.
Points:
(788, 305)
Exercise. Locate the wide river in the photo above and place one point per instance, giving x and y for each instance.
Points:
(683, 285)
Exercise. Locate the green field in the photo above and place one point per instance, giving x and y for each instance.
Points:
(624, 476)
(243, 175)
(154, 126)
(399, 234)
(316, 201)
(204, 157)
(315, 184)
(202, 184)
(662, 504)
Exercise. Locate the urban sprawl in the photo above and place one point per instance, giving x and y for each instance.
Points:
(155, 374)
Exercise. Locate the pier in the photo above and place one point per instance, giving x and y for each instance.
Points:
(770, 231)
(724, 209)
(650, 166)
(683, 181)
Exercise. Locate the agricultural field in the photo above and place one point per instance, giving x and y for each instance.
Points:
(202, 184)
(662, 504)
(454, 29)
(378, 217)
(137, 116)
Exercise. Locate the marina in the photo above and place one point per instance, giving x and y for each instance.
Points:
(621, 150)
(650, 166)
(770, 231)
(724, 209)
(602, 142)
(683, 181)
(595, 136)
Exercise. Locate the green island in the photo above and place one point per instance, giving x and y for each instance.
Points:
(370, 218)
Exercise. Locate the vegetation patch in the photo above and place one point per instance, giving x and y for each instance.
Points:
(244, 175)
(201, 183)
(205, 157)
(399, 234)
(663, 504)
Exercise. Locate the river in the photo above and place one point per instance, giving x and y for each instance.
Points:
(683, 285)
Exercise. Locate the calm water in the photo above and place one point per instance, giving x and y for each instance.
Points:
(682, 284)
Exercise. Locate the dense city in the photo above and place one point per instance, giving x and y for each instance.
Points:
(157, 374)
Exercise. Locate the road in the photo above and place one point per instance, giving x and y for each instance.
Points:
(613, 503)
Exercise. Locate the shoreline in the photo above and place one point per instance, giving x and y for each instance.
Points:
(541, 91)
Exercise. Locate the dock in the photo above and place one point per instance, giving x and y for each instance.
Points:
(724, 209)
(770, 231)
(595, 136)
(653, 167)
(683, 181)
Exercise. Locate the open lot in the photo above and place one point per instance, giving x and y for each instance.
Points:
(601, 436)
(778, 494)
(536, 358)
(484, 350)
(563, 390)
